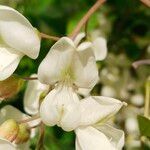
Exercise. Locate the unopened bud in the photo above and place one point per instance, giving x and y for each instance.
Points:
(10, 87)
(9, 130)
(23, 134)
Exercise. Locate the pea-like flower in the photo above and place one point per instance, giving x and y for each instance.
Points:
(33, 95)
(99, 45)
(95, 132)
(68, 68)
(17, 38)
(99, 48)
(10, 112)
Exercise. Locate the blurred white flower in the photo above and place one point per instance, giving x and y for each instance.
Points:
(6, 145)
(17, 38)
(94, 132)
(108, 91)
(68, 68)
(131, 125)
(137, 99)
(33, 94)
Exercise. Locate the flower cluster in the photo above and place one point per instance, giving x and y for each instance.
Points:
(68, 71)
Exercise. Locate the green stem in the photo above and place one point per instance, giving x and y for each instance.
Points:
(147, 99)
(41, 137)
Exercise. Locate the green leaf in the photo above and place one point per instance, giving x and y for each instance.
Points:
(144, 125)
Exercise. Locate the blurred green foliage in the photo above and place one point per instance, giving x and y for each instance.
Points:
(127, 30)
(144, 124)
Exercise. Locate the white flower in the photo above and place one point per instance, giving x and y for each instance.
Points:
(61, 107)
(137, 99)
(32, 95)
(94, 132)
(108, 91)
(67, 67)
(10, 112)
(6, 145)
(99, 46)
(131, 125)
(131, 122)
(17, 38)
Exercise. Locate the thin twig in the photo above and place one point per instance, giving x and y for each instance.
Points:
(86, 29)
(45, 36)
(29, 119)
(86, 17)
(30, 78)
(25, 78)
(138, 63)
(146, 2)
(41, 137)
(147, 99)
(33, 127)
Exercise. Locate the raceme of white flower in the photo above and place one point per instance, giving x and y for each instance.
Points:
(70, 66)
(17, 38)
(67, 67)
(10, 112)
(94, 132)
(32, 95)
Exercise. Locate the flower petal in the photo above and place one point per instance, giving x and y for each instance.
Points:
(61, 107)
(78, 38)
(57, 61)
(89, 138)
(17, 32)
(32, 95)
(100, 48)
(98, 108)
(8, 13)
(85, 69)
(9, 61)
(85, 46)
(10, 112)
(84, 92)
(6, 145)
(116, 136)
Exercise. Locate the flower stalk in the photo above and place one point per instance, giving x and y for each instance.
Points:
(41, 137)
(138, 63)
(147, 99)
(29, 119)
(45, 36)
(86, 17)
(146, 2)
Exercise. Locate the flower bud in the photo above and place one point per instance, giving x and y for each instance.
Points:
(9, 130)
(10, 87)
(23, 134)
